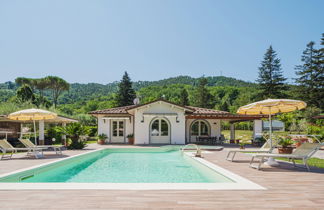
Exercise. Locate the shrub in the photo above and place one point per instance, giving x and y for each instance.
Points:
(75, 131)
(285, 142)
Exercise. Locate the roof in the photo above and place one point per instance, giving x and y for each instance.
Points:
(205, 111)
(190, 109)
(163, 100)
(116, 110)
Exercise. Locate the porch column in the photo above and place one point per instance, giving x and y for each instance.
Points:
(41, 132)
(257, 128)
(64, 136)
(232, 131)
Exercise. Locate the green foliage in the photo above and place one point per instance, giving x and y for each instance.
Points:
(285, 142)
(271, 80)
(57, 86)
(316, 130)
(184, 100)
(52, 132)
(311, 76)
(86, 119)
(126, 94)
(25, 93)
(102, 136)
(74, 131)
(130, 135)
(9, 107)
(202, 96)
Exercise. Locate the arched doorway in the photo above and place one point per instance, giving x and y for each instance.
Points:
(199, 128)
(160, 131)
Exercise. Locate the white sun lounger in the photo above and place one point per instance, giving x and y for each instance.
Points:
(304, 152)
(6, 147)
(27, 143)
(264, 149)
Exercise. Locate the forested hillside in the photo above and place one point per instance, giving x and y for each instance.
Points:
(81, 93)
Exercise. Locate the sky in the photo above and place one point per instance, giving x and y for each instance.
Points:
(97, 40)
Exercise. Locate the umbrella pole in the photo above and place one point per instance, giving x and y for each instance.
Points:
(271, 161)
(35, 132)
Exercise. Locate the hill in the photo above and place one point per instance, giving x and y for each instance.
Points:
(84, 92)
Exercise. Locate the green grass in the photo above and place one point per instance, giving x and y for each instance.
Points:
(316, 162)
(246, 135)
(91, 141)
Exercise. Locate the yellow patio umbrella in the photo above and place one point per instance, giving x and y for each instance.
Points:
(32, 115)
(270, 107)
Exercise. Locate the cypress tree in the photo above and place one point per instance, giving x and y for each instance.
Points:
(184, 101)
(202, 95)
(271, 80)
(126, 93)
(311, 76)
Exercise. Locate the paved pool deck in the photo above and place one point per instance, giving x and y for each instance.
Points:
(287, 188)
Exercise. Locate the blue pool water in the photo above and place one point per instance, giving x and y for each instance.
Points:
(124, 166)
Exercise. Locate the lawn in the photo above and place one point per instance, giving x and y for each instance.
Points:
(316, 162)
(246, 135)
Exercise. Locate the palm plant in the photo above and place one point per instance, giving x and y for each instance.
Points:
(74, 131)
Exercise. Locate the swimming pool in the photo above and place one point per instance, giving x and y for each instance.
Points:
(122, 166)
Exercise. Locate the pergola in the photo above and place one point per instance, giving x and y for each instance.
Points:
(232, 118)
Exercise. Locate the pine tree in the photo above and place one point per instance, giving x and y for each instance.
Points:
(311, 76)
(184, 101)
(202, 95)
(125, 94)
(271, 79)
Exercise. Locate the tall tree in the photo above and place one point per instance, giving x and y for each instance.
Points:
(271, 79)
(26, 81)
(25, 93)
(184, 101)
(311, 76)
(57, 86)
(126, 93)
(202, 96)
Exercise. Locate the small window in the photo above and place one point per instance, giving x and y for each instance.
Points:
(121, 128)
(114, 128)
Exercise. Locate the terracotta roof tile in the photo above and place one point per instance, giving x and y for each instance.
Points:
(205, 111)
(195, 110)
(117, 110)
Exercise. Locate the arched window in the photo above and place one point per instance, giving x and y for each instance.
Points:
(160, 128)
(199, 128)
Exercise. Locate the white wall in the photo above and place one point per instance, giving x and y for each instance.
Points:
(257, 128)
(105, 125)
(142, 129)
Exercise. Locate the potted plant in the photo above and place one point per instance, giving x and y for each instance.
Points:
(285, 146)
(130, 138)
(102, 138)
(242, 145)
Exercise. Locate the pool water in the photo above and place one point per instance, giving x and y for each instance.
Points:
(127, 166)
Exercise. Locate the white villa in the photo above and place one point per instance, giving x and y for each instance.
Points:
(164, 122)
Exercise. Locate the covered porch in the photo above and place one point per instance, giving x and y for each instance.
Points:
(207, 129)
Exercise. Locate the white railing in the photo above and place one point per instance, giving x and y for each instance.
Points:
(198, 150)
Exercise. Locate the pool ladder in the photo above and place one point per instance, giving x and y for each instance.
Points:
(198, 150)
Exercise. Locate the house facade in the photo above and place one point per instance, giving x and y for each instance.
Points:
(161, 122)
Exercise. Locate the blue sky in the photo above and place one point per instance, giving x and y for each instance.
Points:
(97, 40)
